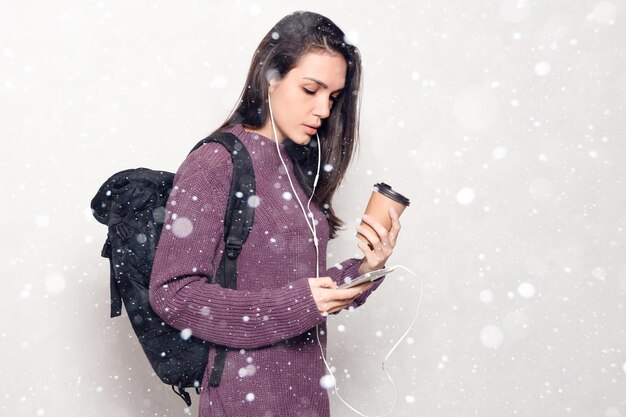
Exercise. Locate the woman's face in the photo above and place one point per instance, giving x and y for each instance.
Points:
(305, 96)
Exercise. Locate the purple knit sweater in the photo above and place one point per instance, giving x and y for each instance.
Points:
(274, 365)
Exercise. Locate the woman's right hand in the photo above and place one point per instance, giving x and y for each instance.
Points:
(331, 300)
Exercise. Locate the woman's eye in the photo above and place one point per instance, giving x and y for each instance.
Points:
(309, 92)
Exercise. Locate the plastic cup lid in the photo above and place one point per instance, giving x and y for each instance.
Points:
(387, 191)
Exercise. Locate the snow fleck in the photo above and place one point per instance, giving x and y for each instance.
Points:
(249, 370)
(182, 227)
(514, 11)
(328, 167)
(379, 333)
(245, 319)
(205, 311)
(287, 196)
(499, 153)
(351, 37)
(25, 293)
(415, 75)
(254, 201)
(141, 238)
(54, 283)
(603, 12)
(275, 35)
(327, 382)
(486, 296)
(409, 399)
(491, 336)
(158, 215)
(195, 197)
(526, 290)
(517, 324)
(42, 221)
(465, 196)
(542, 68)
(599, 273)
(341, 328)
(238, 194)
(185, 334)
(41, 412)
(250, 397)
(410, 341)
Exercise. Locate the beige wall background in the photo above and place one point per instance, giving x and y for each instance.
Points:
(503, 121)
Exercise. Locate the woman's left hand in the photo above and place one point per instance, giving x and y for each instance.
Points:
(381, 242)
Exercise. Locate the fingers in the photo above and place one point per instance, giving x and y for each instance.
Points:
(343, 298)
(395, 226)
(380, 237)
(381, 242)
(322, 282)
(371, 257)
(330, 300)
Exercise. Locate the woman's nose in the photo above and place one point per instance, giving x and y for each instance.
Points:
(322, 107)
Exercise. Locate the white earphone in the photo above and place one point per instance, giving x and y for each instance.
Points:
(312, 228)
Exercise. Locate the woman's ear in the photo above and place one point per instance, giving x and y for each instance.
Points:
(273, 78)
(273, 84)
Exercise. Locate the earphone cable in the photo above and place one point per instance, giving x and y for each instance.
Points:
(395, 390)
(311, 223)
(312, 228)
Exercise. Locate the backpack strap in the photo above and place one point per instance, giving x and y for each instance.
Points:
(239, 214)
(237, 224)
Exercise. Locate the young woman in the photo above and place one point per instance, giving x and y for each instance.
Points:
(300, 103)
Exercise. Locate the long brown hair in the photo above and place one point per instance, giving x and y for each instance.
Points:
(280, 51)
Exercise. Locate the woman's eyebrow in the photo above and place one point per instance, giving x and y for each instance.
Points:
(320, 83)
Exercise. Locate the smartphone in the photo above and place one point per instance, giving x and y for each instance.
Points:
(368, 276)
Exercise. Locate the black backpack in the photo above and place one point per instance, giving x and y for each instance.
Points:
(132, 204)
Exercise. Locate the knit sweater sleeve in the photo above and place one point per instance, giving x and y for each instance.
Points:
(348, 270)
(189, 252)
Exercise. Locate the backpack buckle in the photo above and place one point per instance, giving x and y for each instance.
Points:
(233, 246)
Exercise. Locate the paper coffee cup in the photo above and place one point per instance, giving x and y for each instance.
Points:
(382, 198)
